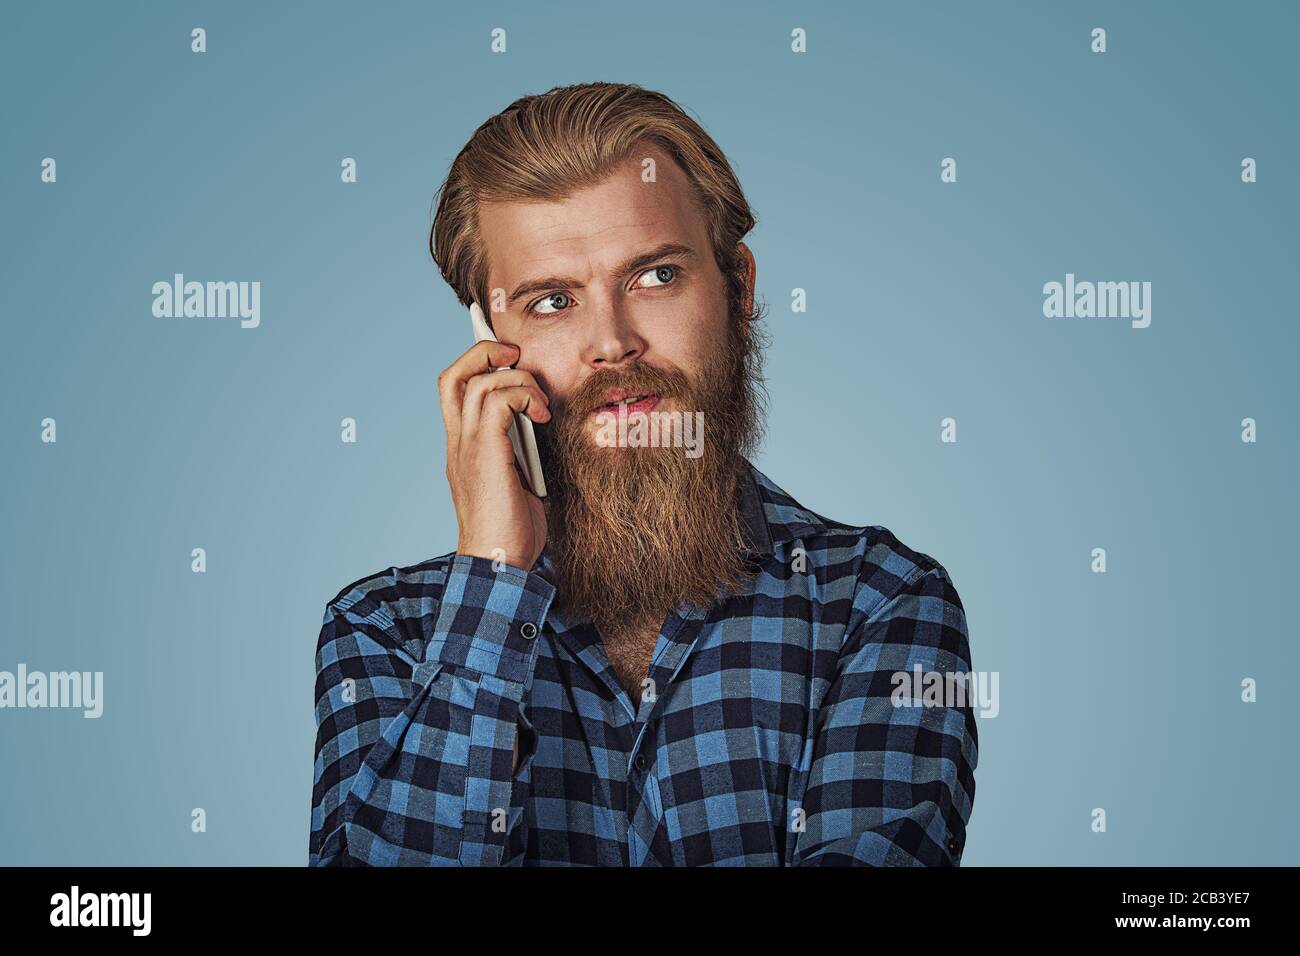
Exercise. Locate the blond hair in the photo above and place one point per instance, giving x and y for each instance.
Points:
(544, 147)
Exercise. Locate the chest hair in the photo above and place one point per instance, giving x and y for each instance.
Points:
(629, 652)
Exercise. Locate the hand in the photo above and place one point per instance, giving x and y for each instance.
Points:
(498, 517)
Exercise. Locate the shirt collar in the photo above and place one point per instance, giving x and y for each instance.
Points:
(756, 531)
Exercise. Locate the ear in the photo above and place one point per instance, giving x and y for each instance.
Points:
(749, 276)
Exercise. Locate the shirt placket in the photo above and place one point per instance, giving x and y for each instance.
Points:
(645, 809)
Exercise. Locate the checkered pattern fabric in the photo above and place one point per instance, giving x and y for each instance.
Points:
(768, 733)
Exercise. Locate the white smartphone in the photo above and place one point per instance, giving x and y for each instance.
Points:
(521, 432)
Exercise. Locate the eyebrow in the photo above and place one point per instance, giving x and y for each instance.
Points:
(625, 268)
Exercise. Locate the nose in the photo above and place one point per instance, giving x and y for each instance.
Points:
(613, 342)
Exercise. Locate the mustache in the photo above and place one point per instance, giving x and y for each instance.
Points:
(638, 378)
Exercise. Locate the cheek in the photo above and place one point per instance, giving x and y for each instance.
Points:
(687, 337)
(557, 377)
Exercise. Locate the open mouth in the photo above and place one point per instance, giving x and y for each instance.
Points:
(632, 402)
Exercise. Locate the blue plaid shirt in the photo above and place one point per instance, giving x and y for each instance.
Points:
(766, 734)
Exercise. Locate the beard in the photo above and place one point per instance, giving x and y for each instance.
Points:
(636, 532)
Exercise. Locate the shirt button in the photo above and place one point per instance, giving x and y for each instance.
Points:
(529, 630)
(953, 845)
(640, 761)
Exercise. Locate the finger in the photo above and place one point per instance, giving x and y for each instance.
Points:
(478, 388)
(498, 405)
(451, 383)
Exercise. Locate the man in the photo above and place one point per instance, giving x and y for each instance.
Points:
(668, 660)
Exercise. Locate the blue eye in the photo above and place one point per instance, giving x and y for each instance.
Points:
(664, 274)
(563, 296)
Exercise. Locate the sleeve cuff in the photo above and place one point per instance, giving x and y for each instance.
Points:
(490, 617)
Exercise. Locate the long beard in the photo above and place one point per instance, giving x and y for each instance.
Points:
(635, 532)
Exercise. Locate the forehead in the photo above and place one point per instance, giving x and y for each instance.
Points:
(594, 227)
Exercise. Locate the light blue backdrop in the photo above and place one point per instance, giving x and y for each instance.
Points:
(1118, 690)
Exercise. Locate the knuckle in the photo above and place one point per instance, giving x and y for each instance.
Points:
(504, 399)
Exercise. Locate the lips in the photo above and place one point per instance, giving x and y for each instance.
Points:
(616, 400)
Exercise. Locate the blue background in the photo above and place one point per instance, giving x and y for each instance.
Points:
(1118, 690)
